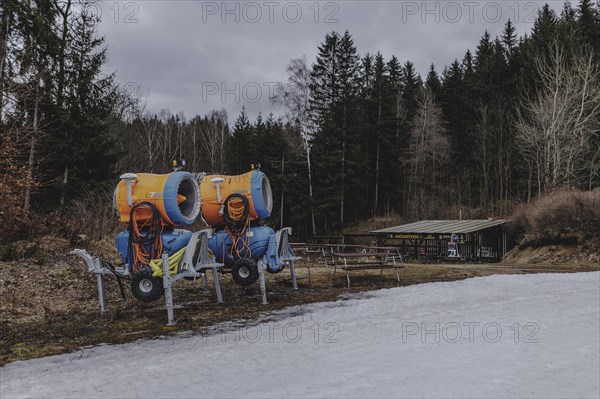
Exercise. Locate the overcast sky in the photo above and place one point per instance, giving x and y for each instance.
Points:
(196, 56)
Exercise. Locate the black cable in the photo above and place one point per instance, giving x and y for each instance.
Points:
(119, 277)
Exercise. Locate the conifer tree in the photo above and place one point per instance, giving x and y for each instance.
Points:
(241, 147)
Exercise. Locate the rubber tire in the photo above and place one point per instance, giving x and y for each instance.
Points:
(156, 290)
(251, 267)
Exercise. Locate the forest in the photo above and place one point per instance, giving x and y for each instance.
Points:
(361, 135)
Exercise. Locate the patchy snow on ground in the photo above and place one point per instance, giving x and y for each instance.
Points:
(498, 336)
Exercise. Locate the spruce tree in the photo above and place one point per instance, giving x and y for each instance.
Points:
(86, 138)
(241, 146)
(325, 88)
(432, 82)
(588, 25)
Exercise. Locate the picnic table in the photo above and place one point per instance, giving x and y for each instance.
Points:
(310, 252)
(351, 261)
(327, 249)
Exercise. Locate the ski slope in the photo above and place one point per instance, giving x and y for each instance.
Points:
(498, 336)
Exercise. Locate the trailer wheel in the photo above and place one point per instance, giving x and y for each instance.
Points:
(146, 287)
(244, 271)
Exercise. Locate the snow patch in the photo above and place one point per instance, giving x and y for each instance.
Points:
(496, 336)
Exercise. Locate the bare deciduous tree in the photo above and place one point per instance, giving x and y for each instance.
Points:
(556, 125)
(295, 97)
(429, 153)
(214, 135)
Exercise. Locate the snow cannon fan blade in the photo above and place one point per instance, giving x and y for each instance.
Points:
(176, 196)
(188, 199)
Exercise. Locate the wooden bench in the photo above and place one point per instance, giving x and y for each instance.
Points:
(369, 266)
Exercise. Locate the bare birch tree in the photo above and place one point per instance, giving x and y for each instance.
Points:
(429, 149)
(294, 96)
(556, 126)
(214, 135)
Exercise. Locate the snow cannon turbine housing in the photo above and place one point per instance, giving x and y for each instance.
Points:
(254, 185)
(175, 195)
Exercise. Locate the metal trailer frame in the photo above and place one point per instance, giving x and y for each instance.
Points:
(187, 268)
(285, 256)
(198, 244)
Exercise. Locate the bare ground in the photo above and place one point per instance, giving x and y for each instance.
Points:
(49, 301)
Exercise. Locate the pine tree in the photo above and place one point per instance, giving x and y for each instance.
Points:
(325, 84)
(411, 87)
(432, 82)
(454, 107)
(337, 145)
(86, 137)
(380, 100)
(326, 152)
(544, 33)
(366, 76)
(368, 116)
(588, 25)
(509, 38)
(241, 147)
(353, 143)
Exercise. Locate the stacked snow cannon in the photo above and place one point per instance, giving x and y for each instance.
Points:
(235, 206)
(153, 206)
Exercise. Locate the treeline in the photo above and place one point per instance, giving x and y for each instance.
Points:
(364, 135)
(515, 118)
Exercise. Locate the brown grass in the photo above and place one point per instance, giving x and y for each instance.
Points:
(379, 222)
(562, 227)
(564, 211)
(93, 215)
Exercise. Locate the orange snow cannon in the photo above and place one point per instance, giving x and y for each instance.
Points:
(254, 185)
(176, 196)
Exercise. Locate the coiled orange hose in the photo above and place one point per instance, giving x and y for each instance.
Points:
(145, 245)
(237, 218)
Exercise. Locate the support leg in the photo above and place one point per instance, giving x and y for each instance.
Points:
(261, 277)
(217, 285)
(309, 279)
(101, 293)
(167, 282)
(348, 278)
(293, 274)
(204, 282)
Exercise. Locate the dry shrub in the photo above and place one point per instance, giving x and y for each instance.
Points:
(93, 215)
(379, 222)
(559, 217)
(13, 184)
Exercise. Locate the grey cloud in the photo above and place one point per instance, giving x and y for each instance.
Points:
(174, 50)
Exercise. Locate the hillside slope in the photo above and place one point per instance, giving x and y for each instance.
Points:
(530, 336)
(558, 228)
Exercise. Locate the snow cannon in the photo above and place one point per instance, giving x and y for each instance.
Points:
(254, 185)
(254, 246)
(242, 254)
(176, 197)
